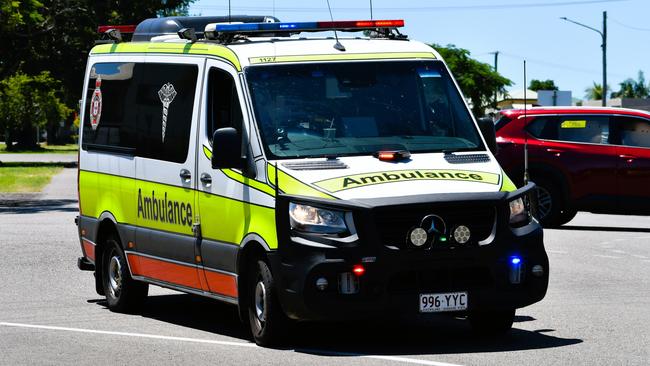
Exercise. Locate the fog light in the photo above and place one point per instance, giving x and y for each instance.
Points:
(515, 270)
(538, 270)
(321, 284)
(418, 236)
(461, 234)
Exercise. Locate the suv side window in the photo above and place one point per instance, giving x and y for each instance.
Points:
(571, 128)
(110, 107)
(223, 108)
(632, 131)
(165, 101)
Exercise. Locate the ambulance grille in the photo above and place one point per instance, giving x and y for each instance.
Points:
(393, 225)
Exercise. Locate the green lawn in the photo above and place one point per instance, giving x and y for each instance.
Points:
(45, 148)
(21, 179)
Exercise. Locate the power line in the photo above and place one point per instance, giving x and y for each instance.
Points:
(629, 26)
(424, 8)
(557, 66)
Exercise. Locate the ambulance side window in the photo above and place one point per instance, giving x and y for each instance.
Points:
(110, 109)
(165, 100)
(223, 108)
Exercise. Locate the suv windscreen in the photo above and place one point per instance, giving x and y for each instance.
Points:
(359, 108)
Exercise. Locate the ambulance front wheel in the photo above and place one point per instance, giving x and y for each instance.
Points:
(123, 293)
(267, 321)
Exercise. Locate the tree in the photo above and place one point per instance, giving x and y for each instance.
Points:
(478, 81)
(548, 84)
(631, 88)
(595, 92)
(28, 102)
(56, 35)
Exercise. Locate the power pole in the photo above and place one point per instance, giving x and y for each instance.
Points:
(604, 34)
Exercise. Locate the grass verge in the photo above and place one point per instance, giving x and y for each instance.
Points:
(22, 179)
(44, 149)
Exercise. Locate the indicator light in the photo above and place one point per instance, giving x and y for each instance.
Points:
(516, 270)
(358, 270)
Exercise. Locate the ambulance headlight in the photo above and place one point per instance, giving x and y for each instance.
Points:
(316, 220)
(518, 211)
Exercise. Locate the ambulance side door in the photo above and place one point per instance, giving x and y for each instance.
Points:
(168, 101)
(227, 202)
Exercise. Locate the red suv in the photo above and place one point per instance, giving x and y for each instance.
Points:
(582, 159)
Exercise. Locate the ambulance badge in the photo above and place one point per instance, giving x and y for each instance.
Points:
(166, 95)
(96, 105)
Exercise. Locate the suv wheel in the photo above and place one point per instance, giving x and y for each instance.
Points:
(552, 209)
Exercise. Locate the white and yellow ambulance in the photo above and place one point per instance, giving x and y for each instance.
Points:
(298, 178)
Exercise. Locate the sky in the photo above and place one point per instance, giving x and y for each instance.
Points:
(519, 29)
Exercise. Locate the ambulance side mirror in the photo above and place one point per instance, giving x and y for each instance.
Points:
(486, 125)
(226, 149)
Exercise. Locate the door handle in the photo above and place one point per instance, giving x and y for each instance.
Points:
(628, 158)
(556, 152)
(206, 179)
(185, 175)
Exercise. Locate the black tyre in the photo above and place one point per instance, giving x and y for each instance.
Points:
(269, 324)
(123, 293)
(491, 322)
(552, 208)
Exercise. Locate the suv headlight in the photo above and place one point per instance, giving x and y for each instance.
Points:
(518, 211)
(316, 220)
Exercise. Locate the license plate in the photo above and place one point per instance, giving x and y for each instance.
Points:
(450, 301)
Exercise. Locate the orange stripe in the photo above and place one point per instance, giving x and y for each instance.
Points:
(221, 283)
(164, 271)
(89, 249)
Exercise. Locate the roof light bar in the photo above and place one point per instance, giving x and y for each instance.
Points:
(305, 26)
(122, 28)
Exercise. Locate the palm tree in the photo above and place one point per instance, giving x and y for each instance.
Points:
(595, 92)
(631, 88)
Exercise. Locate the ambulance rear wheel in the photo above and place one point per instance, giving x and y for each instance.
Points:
(491, 322)
(123, 293)
(267, 321)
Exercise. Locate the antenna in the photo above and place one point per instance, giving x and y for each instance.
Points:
(337, 45)
(371, 18)
(229, 13)
(526, 177)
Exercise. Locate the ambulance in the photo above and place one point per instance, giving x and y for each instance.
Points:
(301, 171)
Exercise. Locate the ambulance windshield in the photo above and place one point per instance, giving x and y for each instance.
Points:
(359, 108)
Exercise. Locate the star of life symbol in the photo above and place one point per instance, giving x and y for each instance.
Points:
(96, 105)
(166, 95)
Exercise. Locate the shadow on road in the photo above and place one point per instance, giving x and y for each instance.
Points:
(442, 335)
(605, 228)
(38, 205)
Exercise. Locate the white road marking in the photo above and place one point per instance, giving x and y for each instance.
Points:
(606, 256)
(556, 251)
(386, 358)
(618, 251)
(639, 256)
(225, 343)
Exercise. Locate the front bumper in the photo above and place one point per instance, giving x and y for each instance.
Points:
(394, 278)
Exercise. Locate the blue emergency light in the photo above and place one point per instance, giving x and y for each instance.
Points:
(306, 26)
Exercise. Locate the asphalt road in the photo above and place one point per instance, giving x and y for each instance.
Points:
(596, 312)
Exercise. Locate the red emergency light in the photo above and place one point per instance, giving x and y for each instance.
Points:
(122, 28)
